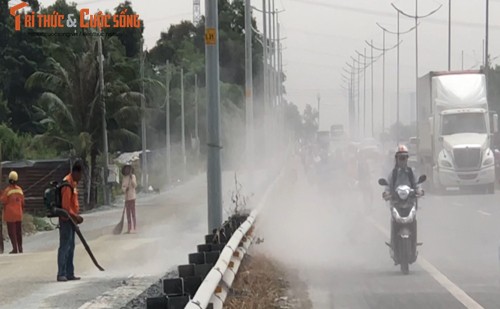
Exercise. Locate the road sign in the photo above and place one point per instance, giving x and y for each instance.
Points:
(210, 36)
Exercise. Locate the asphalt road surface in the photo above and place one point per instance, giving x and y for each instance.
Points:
(336, 244)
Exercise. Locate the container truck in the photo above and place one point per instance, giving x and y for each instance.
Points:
(455, 129)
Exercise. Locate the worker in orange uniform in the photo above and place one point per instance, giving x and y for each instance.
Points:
(65, 254)
(13, 201)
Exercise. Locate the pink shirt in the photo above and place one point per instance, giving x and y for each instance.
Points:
(130, 183)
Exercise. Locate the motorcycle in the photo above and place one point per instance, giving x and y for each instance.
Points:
(404, 206)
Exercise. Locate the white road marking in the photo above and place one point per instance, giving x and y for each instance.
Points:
(446, 283)
(484, 213)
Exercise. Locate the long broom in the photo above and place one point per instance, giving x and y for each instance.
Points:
(119, 227)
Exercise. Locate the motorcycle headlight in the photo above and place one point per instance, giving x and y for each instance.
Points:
(403, 194)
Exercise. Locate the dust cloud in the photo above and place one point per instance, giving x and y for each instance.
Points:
(312, 226)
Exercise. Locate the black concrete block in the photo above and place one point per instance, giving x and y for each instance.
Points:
(173, 287)
(160, 302)
(204, 248)
(177, 302)
(186, 270)
(218, 247)
(197, 258)
(191, 285)
(209, 239)
(201, 270)
(212, 257)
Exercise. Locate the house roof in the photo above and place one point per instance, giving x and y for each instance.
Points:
(31, 163)
(129, 157)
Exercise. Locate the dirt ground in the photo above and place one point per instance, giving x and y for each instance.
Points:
(264, 283)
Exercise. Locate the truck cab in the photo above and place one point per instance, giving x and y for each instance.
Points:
(465, 157)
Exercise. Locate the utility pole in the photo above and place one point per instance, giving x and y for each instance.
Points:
(168, 76)
(484, 60)
(398, 33)
(364, 94)
(196, 134)
(416, 17)
(364, 88)
(214, 186)
(355, 71)
(365, 65)
(265, 79)
(462, 59)
(449, 35)
(104, 128)
(383, 50)
(351, 98)
(281, 107)
(319, 101)
(398, 97)
(249, 86)
(356, 64)
(487, 60)
(373, 133)
(272, 71)
(144, 172)
(359, 96)
(183, 126)
(272, 41)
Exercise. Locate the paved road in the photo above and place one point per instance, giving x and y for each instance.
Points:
(170, 225)
(337, 245)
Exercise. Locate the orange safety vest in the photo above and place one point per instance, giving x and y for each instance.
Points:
(70, 197)
(13, 201)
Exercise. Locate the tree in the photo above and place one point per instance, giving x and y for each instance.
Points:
(129, 37)
(310, 122)
(20, 56)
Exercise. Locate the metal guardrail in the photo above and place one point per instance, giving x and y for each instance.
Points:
(215, 287)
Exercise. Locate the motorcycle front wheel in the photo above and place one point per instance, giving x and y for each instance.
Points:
(405, 246)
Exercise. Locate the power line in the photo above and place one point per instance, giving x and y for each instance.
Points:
(315, 51)
(366, 11)
(323, 35)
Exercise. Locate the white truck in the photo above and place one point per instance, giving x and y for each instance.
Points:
(455, 129)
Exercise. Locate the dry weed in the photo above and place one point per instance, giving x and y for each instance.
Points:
(264, 283)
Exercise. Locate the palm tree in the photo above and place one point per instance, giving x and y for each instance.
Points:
(69, 106)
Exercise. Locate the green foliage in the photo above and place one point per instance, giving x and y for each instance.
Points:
(11, 144)
(23, 146)
(50, 101)
(41, 224)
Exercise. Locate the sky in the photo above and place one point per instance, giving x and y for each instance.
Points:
(322, 35)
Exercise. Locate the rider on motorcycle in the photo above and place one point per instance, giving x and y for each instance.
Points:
(401, 174)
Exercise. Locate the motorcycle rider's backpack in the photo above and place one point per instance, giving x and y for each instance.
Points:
(409, 170)
(52, 197)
